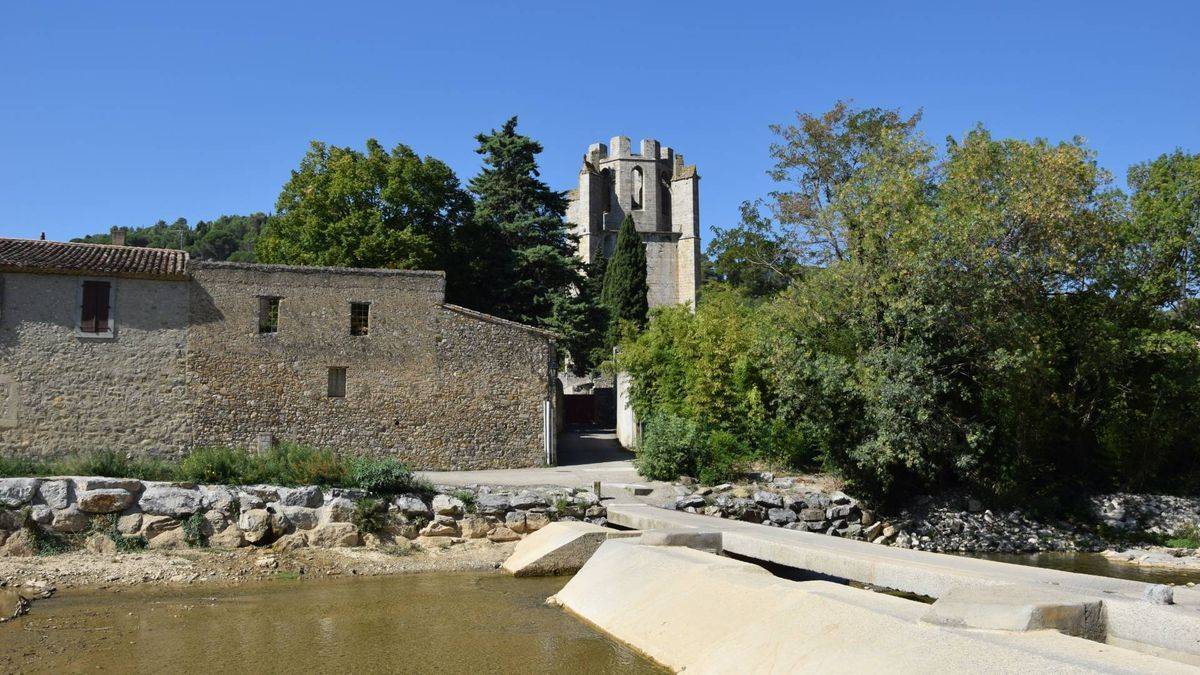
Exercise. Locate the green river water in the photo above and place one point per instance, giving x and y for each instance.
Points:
(419, 623)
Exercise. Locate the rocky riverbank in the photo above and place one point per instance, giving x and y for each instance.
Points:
(85, 530)
(960, 525)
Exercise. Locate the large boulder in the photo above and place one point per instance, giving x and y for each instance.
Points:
(152, 526)
(170, 500)
(264, 493)
(334, 535)
(441, 526)
(557, 548)
(84, 483)
(299, 517)
(411, 506)
(493, 505)
(69, 521)
(476, 527)
(255, 525)
(515, 521)
(309, 496)
(218, 498)
(230, 537)
(130, 523)
(526, 499)
(535, 521)
(447, 505)
(22, 543)
(16, 492)
(503, 534)
(106, 500)
(338, 510)
(768, 500)
(169, 540)
(56, 493)
(100, 543)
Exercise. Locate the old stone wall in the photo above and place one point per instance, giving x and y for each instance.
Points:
(62, 392)
(437, 387)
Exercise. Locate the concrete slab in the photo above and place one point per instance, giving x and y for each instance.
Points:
(1132, 621)
(558, 548)
(1020, 608)
(700, 613)
(701, 540)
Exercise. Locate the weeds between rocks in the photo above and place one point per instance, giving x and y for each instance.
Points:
(193, 530)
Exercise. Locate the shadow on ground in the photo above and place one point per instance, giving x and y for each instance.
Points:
(590, 445)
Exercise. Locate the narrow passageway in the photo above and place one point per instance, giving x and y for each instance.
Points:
(585, 455)
(590, 445)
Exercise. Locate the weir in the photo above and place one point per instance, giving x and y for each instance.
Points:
(977, 594)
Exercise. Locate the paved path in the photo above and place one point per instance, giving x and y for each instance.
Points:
(585, 456)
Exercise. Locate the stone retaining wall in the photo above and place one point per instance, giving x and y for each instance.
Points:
(113, 514)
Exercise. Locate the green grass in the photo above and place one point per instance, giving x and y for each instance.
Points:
(285, 464)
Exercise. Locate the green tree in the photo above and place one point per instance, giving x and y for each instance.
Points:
(226, 238)
(374, 209)
(525, 263)
(752, 256)
(625, 286)
(1165, 229)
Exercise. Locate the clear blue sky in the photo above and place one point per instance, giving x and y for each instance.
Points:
(123, 113)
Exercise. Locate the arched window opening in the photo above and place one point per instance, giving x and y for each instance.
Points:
(606, 183)
(638, 185)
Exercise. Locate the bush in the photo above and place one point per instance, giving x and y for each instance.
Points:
(370, 515)
(383, 475)
(668, 447)
(722, 458)
(218, 465)
(112, 464)
(193, 530)
(291, 464)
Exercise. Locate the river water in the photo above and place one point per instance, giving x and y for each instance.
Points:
(419, 623)
(1097, 564)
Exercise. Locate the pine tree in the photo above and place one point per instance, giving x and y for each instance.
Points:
(523, 263)
(625, 287)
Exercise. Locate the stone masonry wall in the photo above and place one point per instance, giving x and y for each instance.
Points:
(61, 392)
(432, 386)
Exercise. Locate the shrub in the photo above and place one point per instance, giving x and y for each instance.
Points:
(291, 464)
(16, 466)
(722, 458)
(668, 447)
(218, 465)
(193, 530)
(383, 475)
(110, 463)
(468, 499)
(370, 515)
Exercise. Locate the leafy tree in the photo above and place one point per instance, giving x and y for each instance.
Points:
(526, 260)
(226, 238)
(625, 286)
(374, 209)
(752, 256)
(1165, 229)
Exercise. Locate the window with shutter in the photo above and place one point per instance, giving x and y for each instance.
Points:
(94, 313)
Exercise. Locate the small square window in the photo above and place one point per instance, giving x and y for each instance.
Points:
(268, 315)
(337, 382)
(360, 318)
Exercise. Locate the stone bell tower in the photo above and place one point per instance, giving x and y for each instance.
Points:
(663, 196)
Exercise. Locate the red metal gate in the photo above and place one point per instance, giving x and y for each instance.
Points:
(580, 408)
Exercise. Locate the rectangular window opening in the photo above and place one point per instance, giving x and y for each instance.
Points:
(360, 318)
(94, 313)
(268, 315)
(337, 382)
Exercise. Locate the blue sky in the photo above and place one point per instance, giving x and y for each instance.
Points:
(124, 113)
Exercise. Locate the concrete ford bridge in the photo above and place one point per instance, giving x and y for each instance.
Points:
(693, 610)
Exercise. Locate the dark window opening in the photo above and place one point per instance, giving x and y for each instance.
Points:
(360, 318)
(268, 315)
(637, 187)
(337, 382)
(93, 316)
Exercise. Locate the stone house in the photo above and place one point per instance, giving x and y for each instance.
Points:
(109, 347)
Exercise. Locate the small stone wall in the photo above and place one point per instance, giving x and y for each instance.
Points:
(113, 514)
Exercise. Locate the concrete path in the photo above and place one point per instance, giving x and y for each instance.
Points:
(585, 456)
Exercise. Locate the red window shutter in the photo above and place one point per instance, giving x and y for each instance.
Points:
(102, 307)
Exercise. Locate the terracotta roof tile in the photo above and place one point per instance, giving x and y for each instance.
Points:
(32, 255)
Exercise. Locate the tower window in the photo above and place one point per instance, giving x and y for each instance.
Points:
(360, 318)
(337, 382)
(638, 185)
(268, 315)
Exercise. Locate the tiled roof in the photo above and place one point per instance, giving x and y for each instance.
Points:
(32, 255)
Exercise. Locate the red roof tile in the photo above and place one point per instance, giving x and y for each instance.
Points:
(32, 255)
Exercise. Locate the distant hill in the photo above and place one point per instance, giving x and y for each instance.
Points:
(226, 238)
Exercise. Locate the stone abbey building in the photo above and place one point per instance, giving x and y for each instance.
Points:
(139, 350)
(663, 196)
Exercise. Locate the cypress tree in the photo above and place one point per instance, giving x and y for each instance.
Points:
(625, 287)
